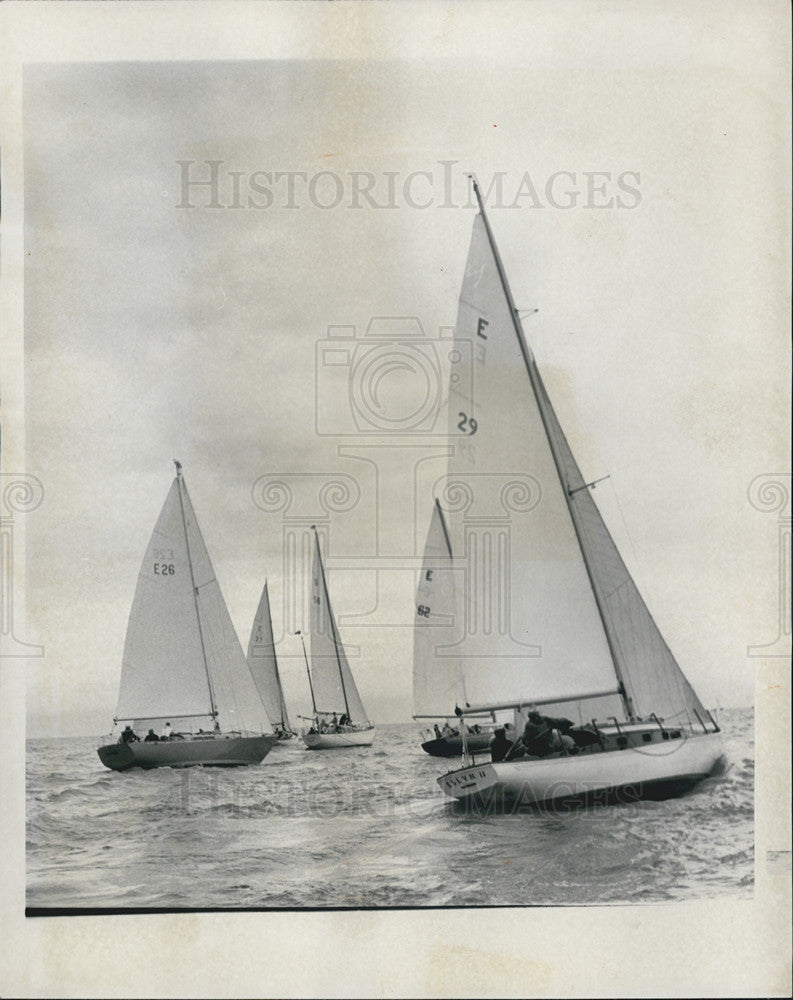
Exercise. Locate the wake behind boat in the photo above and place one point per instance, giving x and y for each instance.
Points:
(599, 653)
(183, 669)
(339, 718)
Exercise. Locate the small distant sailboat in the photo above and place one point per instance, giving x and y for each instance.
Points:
(340, 719)
(601, 655)
(264, 667)
(438, 679)
(183, 666)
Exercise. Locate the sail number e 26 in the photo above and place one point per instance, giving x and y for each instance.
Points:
(164, 569)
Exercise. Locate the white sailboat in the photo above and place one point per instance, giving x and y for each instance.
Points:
(438, 670)
(599, 653)
(264, 667)
(184, 672)
(340, 719)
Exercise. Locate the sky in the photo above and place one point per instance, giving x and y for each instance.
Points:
(635, 206)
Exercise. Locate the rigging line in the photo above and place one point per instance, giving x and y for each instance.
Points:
(308, 672)
(587, 486)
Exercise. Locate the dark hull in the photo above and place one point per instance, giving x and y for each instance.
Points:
(213, 751)
(452, 746)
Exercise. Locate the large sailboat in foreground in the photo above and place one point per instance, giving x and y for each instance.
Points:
(184, 676)
(599, 704)
(339, 718)
(264, 667)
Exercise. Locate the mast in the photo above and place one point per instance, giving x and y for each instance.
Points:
(180, 481)
(534, 378)
(334, 633)
(308, 672)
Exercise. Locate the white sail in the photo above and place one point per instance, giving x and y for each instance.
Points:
(652, 679)
(438, 684)
(264, 664)
(182, 656)
(526, 582)
(163, 670)
(333, 685)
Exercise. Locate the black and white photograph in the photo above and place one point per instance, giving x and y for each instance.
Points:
(396, 499)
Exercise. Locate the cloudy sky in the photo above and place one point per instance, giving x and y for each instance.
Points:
(635, 198)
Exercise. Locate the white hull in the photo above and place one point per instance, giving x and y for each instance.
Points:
(207, 751)
(634, 771)
(334, 741)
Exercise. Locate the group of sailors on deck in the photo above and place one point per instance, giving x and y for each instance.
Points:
(448, 731)
(128, 734)
(542, 736)
(336, 724)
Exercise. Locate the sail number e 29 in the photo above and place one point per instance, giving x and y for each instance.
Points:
(467, 424)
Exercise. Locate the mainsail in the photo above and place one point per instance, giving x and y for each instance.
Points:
(334, 689)
(575, 598)
(531, 620)
(264, 664)
(182, 657)
(438, 683)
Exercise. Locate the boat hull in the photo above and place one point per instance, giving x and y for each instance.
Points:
(213, 751)
(657, 770)
(338, 741)
(452, 746)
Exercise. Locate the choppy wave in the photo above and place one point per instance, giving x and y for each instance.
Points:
(366, 827)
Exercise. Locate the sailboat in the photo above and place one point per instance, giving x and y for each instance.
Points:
(339, 718)
(183, 670)
(264, 667)
(438, 671)
(631, 722)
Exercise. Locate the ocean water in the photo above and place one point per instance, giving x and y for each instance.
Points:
(366, 827)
